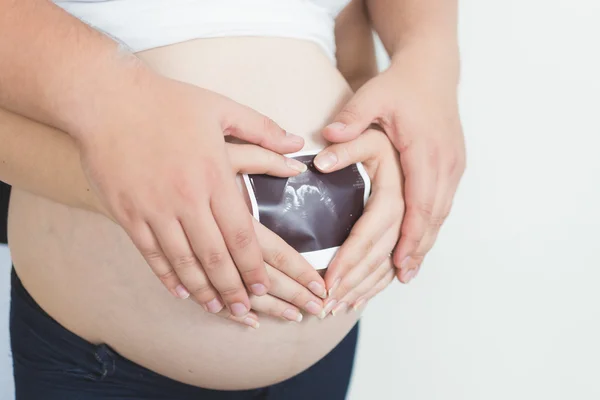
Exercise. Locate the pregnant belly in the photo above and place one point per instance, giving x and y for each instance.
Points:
(85, 272)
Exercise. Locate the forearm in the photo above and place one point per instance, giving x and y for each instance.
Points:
(43, 161)
(425, 27)
(355, 48)
(56, 69)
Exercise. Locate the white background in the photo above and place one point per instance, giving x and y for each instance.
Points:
(507, 305)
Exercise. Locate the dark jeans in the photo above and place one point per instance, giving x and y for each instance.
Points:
(52, 363)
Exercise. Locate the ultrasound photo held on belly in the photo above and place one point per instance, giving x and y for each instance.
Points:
(312, 211)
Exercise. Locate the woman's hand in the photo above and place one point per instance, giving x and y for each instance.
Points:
(364, 258)
(414, 101)
(157, 160)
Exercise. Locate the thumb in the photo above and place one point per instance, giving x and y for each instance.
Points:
(248, 124)
(364, 148)
(354, 119)
(251, 159)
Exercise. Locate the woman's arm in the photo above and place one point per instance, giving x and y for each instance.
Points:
(44, 161)
(355, 49)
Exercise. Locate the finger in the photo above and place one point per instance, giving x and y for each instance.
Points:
(443, 205)
(251, 159)
(378, 217)
(378, 288)
(275, 307)
(250, 319)
(354, 277)
(249, 125)
(287, 289)
(421, 180)
(384, 269)
(185, 264)
(281, 256)
(150, 249)
(210, 249)
(362, 149)
(236, 226)
(354, 119)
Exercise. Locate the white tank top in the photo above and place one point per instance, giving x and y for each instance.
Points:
(146, 24)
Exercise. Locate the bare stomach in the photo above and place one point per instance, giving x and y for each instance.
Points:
(84, 271)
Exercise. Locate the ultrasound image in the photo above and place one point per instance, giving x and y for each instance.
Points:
(311, 211)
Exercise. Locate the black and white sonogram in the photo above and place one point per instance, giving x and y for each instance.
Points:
(313, 212)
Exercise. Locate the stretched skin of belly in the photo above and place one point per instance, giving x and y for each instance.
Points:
(85, 272)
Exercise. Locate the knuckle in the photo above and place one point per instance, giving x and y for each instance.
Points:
(305, 276)
(231, 292)
(350, 112)
(243, 238)
(152, 255)
(269, 125)
(435, 222)
(296, 297)
(165, 277)
(200, 291)
(279, 259)
(184, 261)
(424, 209)
(213, 260)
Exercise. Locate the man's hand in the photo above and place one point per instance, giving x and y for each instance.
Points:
(414, 101)
(156, 157)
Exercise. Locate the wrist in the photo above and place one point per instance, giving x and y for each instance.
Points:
(105, 91)
(435, 60)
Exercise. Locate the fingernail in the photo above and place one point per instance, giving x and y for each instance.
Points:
(408, 275)
(238, 309)
(337, 126)
(182, 292)
(258, 289)
(313, 308)
(328, 307)
(317, 289)
(251, 322)
(296, 165)
(339, 307)
(294, 138)
(292, 315)
(405, 262)
(214, 306)
(326, 160)
(359, 305)
(334, 287)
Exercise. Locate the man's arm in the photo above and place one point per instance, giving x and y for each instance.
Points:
(429, 25)
(355, 48)
(56, 69)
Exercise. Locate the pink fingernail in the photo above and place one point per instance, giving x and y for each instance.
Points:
(359, 305)
(258, 289)
(238, 309)
(405, 262)
(326, 160)
(337, 126)
(294, 138)
(214, 306)
(317, 289)
(408, 275)
(334, 287)
(296, 165)
(251, 322)
(292, 315)
(182, 292)
(339, 308)
(313, 308)
(328, 307)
